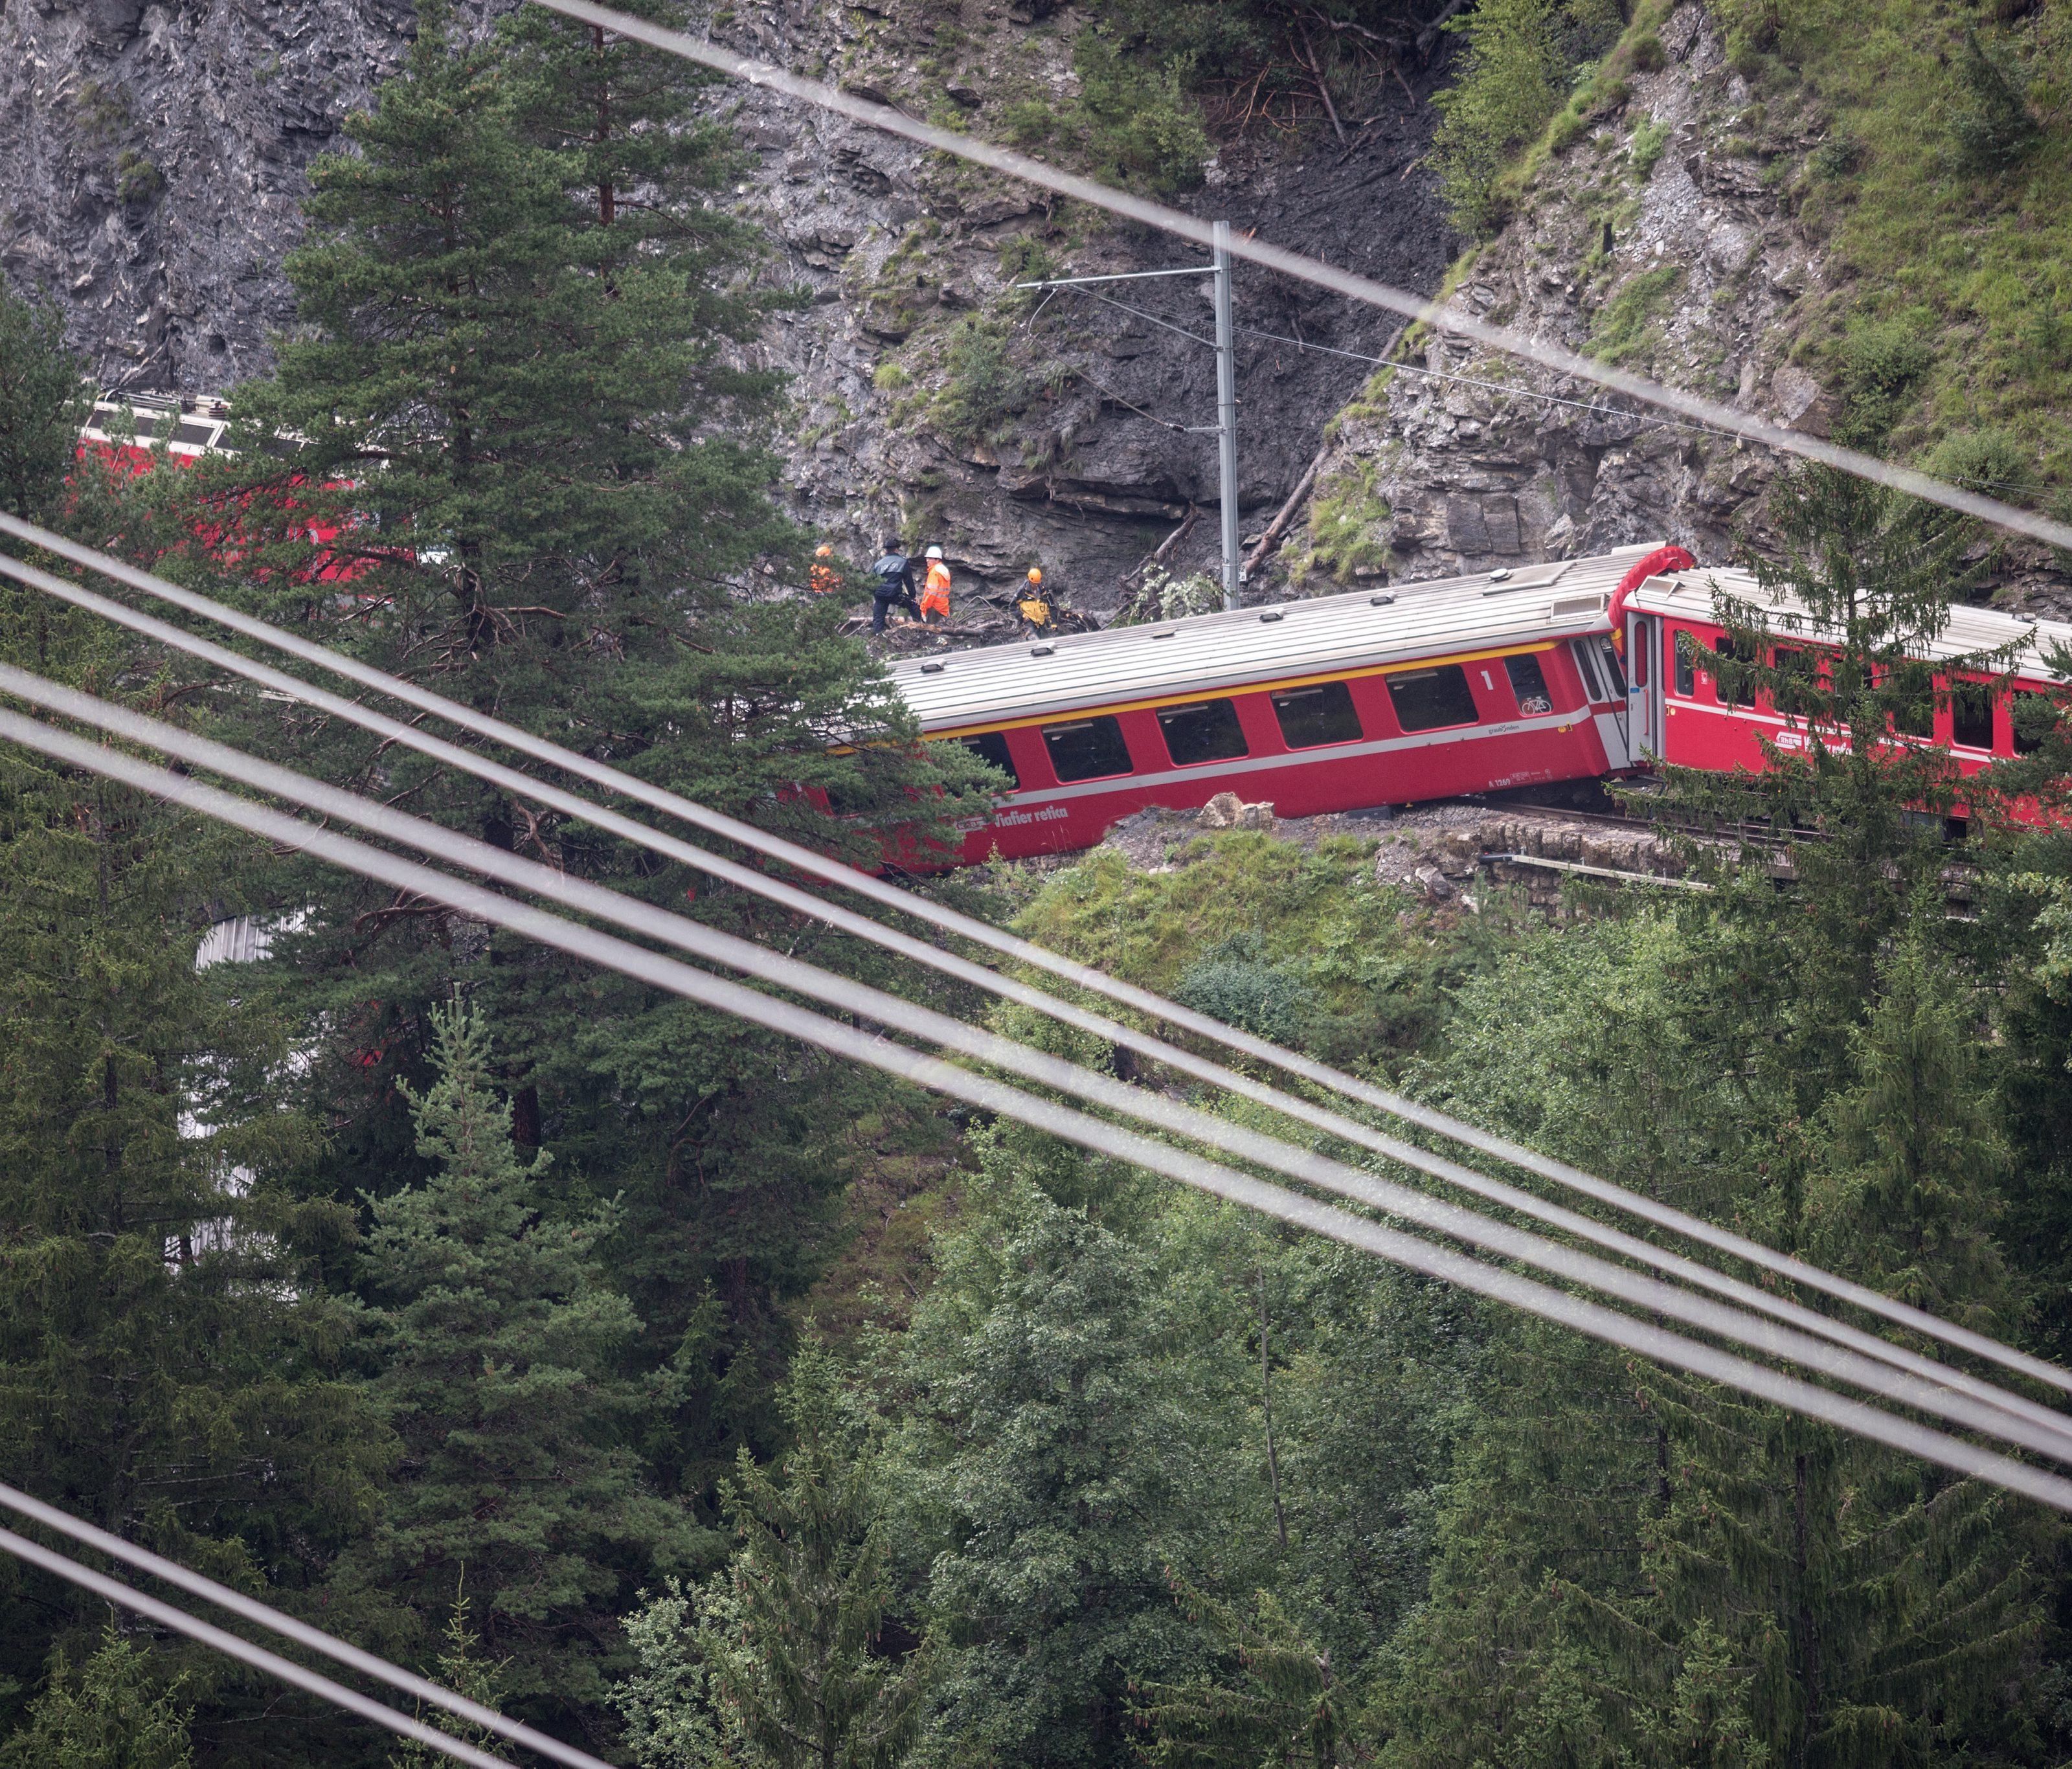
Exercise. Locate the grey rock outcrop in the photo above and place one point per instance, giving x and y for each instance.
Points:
(1663, 240)
(160, 150)
(156, 157)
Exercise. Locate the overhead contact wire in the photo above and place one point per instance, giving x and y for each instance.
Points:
(1441, 1263)
(1025, 952)
(714, 946)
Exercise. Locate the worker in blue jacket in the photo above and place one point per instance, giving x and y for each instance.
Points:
(891, 580)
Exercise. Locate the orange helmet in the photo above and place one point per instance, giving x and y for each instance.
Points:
(1035, 573)
(823, 551)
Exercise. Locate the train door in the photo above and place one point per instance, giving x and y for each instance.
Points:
(1644, 709)
(1603, 681)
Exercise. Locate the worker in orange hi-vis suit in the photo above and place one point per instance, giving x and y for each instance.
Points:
(936, 592)
(823, 577)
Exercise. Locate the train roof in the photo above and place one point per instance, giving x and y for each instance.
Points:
(1250, 647)
(191, 426)
(1688, 595)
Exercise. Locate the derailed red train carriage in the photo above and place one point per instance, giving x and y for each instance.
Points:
(1500, 680)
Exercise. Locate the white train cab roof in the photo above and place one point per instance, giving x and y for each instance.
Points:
(1687, 595)
(1254, 647)
(191, 426)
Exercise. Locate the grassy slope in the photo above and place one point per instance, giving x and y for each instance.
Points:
(1979, 268)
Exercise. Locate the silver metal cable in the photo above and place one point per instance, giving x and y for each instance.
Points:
(266, 1615)
(1465, 1178)
(2053, 1437)
(1702, 1277)
(1443, 316)
(1012, 946)
(1441, 1263)
(180, 1622)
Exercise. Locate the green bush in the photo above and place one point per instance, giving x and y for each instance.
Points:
(1648, 142)
(1513, 80)
(1883, 360)
(1140, 124)
(1235, 982)
(982, 386)
(1027, 122)
(1626, 326)
(1346, 520)
(137, 179)
(1986, 460)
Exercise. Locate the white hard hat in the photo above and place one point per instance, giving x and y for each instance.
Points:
(934, 553)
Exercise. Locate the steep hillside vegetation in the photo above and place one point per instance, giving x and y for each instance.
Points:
(1853, 220)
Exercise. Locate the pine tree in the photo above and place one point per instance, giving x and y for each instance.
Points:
(43, 401)
(1046, 1473)
(1285, 1704)
(172, 1367)
(114, 1712)
(501, 1350)
(528, 427)
(787, 1661)
(1860, 805)
(462, 1668)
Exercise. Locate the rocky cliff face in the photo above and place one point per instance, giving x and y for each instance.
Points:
(159, 152)
(1659, 240)
(1667, 238)
(156, 155)
(1085, 461)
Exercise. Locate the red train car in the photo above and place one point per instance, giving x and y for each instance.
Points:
(138, 430)
(1461, 684)
(1677, 713)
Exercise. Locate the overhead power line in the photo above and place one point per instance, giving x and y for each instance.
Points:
(980, 932)
(180, 1622)
(1465, 1178)
(2052, 1438)
(1443, 1264)
(251, 1610)
(1749, 1296)
(1443, 316)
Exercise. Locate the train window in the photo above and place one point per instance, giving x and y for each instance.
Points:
(1426, 699)
(1529, 684)
(1744, 695)
(991, 747)
(1615, 670)
(1913, 715)
(1088, 748)
(1587, 669)
(2035, 719)
(1971, 714)
(1320, 714)
(1205, 731)
(1687, 667)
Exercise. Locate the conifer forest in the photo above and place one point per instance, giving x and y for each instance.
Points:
(698, 1396)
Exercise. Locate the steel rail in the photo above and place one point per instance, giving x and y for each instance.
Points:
(1443, 316)
(1009, 945)
(2054, 1439)
(1443, 1264)
(266, 1615)
(235, 1646)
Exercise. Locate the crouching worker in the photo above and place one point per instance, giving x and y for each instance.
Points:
(892, 580)
(1034, 606)
(823, 577)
